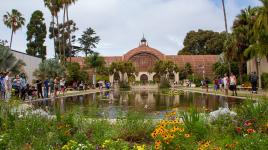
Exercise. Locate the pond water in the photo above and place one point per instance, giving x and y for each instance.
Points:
(155, 103)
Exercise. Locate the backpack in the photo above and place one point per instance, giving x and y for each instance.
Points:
(254, 78)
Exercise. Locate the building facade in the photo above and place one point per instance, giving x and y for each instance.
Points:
(144, 57)
(32, 63)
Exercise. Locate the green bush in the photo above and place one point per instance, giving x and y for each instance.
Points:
(264, 79)
(124, 85)
(164, 83)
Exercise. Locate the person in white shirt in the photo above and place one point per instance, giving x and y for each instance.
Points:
(8, 86)
(226, 83)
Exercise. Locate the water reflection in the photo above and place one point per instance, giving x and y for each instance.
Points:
(149, 101)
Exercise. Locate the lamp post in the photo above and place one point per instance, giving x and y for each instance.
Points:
(259, 70)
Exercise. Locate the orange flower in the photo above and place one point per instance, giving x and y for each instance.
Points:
(250, 131)
(186, 135)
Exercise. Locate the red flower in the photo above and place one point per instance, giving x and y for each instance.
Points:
(238, 129)
(247, 123)
(250, 131)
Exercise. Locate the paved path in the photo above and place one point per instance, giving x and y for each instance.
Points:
(70, 94)
(242, 94)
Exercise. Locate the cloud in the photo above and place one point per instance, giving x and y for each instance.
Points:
(121, 23)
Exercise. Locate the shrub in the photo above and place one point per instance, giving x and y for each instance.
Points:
(264, 79)
(124, 86)
(164, 83)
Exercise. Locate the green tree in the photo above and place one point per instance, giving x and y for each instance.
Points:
(14, 21)
(126, 68)
(75, 73)
(94, 61)
(164, 68)
(49, 68)
(8, 62)
(63, 38)
(186, 71)
(203, 42)
(54, 7)
(260, 47)
(36, 35)
(88, 41)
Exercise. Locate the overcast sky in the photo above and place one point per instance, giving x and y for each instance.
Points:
(121, 23)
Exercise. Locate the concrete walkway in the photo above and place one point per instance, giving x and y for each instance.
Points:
(242, 94)
(69, 94)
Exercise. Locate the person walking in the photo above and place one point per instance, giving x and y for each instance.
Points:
(23, 87)
(233, 83)
(62, 85)
(8, 86)
(39, 84)
(253, 81)
(46, 88)
(2, 86)
(56, 86)
(51, 87)
(225, 84)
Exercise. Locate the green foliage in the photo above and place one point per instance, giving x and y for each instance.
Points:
(124, 67)
(89, 41)
(164, 84)
(264, 79)
(203, 42)
(195, 79)
(195, 123)
(94, 61)
(36, 35)
(8, 62)
(75, 73)
(220, 68)
(49, 68)
(186, 71)
(124, 85)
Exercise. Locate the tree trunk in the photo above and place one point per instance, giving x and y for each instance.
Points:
(225, 18)
(68, 29)
(240, 71)
(58, 37)
(11, 38)
(63, 35)
(53, 30)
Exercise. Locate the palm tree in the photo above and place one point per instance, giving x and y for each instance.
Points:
(49, 68)
(261, 30)
(224, 13)
(8, 62)
(88, 41)
(14, 21)
(94, 61)
(54, 7)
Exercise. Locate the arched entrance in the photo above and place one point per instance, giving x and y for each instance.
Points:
(116, 77)
(156, 78)
(171, 77)
(144, 79)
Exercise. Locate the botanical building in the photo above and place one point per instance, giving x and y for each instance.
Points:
(144, 57)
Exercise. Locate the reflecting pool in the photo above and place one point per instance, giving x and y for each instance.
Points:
(108, 104)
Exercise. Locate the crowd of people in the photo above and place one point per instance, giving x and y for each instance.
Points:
(227, 83)
(18, 86)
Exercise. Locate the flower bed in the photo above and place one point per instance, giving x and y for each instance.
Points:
(188, 130)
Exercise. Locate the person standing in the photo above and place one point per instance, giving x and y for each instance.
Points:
(17, 85)
(62, 85)
(8, 86)
(46, 88)
(233, 83)
(23, 87)
(2, 86)
(56, 86)
(39, 88)
(51, 86)
(225, 83)
(254, 80)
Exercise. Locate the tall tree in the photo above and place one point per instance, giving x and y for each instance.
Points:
(63, 35)
(224, 15)
(89, 41)
(54, 7)
(94, 61)
(164, 68)
(49, 68)
(36, 35)
(14, 21)
(203, 42)
(8, 62)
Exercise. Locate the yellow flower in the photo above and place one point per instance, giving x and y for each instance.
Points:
(186, 135)
(181, 129)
